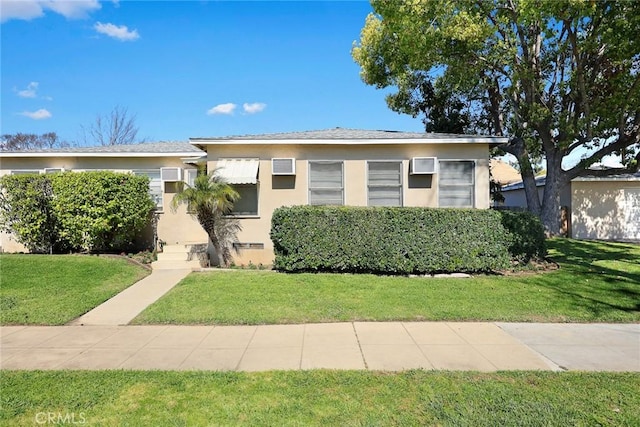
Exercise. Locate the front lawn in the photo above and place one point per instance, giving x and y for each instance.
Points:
(55, 289)
(320, 398)
(596, 282)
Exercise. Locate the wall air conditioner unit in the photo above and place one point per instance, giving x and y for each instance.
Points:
(171, 174)
(284, 166)
(424, 165)
(53, 170)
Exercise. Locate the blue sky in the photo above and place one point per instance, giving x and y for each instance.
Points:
(187, 68)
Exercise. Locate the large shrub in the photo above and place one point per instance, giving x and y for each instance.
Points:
(389, 240)
(526, 235)
(88, 211)
(25, 211)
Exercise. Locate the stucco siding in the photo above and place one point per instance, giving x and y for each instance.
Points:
(600, 210)
(277, 191)
(173, 227)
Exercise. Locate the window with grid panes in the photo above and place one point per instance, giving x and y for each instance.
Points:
(456, 183)
(326, 183)
(384, 183)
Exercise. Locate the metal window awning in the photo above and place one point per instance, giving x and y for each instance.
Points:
(238, 171)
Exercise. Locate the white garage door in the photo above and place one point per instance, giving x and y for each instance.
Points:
(632, 213)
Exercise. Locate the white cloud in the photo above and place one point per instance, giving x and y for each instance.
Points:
(30, 9)
(253, 108)
(72, 9)
(121, 33)
(30, 91)
(37, 115)
(222, 109)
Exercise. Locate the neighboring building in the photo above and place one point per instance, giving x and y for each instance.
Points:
(602, 208)
(514, 195)
(164, 163)
(503, 173)
(336, 166)
(606, 208)
(346, 167)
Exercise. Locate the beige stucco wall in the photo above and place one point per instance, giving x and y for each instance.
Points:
(277, 191)
(598, 210)
(173, 227)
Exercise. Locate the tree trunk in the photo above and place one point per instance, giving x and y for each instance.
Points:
(207, 221)
(218, 249)
(550, 214)
(517, 148)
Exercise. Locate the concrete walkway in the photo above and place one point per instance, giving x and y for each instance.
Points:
(359, 345)
(122, 308)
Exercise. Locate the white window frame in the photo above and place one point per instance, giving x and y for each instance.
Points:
(310, 188)
(399, 186)
(145, 172)
(26, 171)
(190, 176)
(472, 185)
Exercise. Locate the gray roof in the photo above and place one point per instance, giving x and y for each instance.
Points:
(346, 134)
(541, 180)
(616, 177)
(165, 147)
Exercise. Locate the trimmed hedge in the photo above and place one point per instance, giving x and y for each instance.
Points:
(526, 235)
(395, 240)
(76, 211)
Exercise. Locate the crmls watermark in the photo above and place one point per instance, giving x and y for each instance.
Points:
(60, 418)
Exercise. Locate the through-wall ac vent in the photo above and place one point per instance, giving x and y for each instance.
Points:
(171, 174)
(283, 166)
(424, 165)
(53, 170)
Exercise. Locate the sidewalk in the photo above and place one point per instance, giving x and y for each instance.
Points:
(359, 345)
(125, 306)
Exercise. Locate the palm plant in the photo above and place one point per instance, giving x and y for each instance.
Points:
(210, 198)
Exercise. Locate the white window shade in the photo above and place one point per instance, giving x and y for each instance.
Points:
(238, 171)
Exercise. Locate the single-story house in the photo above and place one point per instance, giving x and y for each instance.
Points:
(163, 162)
(602, 208)
(335, 166)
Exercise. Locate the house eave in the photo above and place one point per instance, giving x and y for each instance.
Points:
(202, 142)
(8, 154)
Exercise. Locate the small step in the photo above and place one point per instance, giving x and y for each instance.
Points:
(173, 256)
(175, 265)
(176, 248)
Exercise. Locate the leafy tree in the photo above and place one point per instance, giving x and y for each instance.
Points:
(30, 141)
(441, 111)
(210, 199)
(116, 128)
(553, 76)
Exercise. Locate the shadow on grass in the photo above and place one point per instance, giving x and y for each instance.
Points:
(600, 287)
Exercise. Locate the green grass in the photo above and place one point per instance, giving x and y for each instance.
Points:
(596, 282)
(349, 398)
(55, 289)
